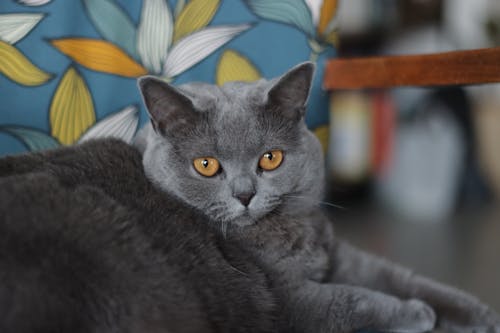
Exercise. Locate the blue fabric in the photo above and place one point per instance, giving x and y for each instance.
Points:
(28, 114)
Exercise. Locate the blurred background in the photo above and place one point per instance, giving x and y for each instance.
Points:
(417, 170)
(413, 173)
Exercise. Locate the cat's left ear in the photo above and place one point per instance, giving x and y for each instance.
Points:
(291, 91)
(169, 109)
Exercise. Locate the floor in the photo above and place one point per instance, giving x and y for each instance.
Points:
(463, 252)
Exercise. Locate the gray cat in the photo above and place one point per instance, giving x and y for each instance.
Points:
(242, 155)
(89, 245)
(214, 228)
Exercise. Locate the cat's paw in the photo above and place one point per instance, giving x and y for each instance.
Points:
(414, 316)
(453, 328)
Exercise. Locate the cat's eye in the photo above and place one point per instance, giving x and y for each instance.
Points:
(271, 160)
(206, 166)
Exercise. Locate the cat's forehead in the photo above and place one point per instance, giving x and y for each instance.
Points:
(233, 111)
(235, 96)
(235, 116)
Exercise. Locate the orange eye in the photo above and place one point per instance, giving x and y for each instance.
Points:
(271, 160)
(206, 166)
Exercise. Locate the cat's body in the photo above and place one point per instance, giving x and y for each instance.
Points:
(220, 232)
(87, 244)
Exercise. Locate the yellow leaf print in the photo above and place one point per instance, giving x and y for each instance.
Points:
(72, 110)
(99, 55)
(18, 68)
(194, 16)
(233, 66)
(328, 10)
(323, 134)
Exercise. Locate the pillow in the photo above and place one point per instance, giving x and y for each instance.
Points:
(68, 68)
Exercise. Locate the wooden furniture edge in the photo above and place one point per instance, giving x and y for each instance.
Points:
(448, 68)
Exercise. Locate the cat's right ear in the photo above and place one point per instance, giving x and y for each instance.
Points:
(291, 91)
(168, 108)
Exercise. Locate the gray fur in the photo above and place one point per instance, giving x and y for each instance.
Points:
(236, 125)
(99, 238)
(88, 244)
(325, 285)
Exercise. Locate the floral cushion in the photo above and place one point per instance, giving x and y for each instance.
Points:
(68, 68)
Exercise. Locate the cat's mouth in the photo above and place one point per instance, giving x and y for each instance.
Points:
(242, 218)
(239, 215)
(250, 216)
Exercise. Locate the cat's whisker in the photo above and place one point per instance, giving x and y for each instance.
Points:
(272, 200)
(332, 205)
(224, 229)
(237, 270)
(215, 206)
(216, 212)
(320, 202)
(220, 217)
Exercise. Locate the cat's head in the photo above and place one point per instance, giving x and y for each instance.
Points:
(237, 152)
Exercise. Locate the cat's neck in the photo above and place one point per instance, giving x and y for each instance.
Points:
(291, 246)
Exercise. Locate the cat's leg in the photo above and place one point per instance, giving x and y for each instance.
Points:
(455, 309)
(321, 308)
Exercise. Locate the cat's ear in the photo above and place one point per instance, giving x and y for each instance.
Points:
(290, 92)
(168, 108)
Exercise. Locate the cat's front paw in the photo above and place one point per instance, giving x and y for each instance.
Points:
(453, 328)
(414, 316)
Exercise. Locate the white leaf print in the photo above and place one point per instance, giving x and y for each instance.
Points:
(14, 27)
(315, 8)
(120, 125)
(33, 2)
(179, 7)
(195, 47)
(154, 34)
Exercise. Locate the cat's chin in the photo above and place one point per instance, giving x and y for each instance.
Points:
(249, 217)
(244, 220)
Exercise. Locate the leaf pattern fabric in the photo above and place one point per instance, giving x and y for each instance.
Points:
(13, 27)
(99, 55)
(18, 68)
(233, 66)
(315, 8)
(33, 139)
(68, 68)
(196, 46)
(194, 16)
(72, 109)
(113, 24)
(119, 125)
(328, 11)
(155, 34)
(293, 12)
(34, 2)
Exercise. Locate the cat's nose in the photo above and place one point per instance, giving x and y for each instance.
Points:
(244, 198)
